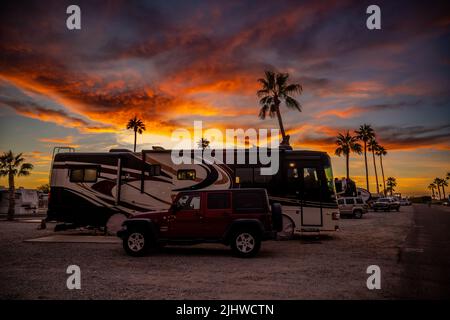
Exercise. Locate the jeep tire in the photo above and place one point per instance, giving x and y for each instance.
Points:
(245, 243)
(136, 242)
(357, 214)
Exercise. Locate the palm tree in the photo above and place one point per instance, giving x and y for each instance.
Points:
(365, 133)
(138, 126)
(203, 143)
(447, 177)
(431, 187)
(12, 165)
(391, 184)
(275, 89)
(437, 182)
(346, 144)
(373, 146)
(382, 152)
(444, 183)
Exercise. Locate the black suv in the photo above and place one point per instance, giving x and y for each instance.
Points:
(240, 218)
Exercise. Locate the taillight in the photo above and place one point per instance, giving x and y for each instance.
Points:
(335, 215)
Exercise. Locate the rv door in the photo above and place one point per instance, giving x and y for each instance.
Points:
(311, 198)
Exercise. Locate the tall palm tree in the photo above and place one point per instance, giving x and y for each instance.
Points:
(431, 187)
(437, 182)
(275, 89)
(391, 184)
(346, 144)
(365, 133)
(444, 183)
(12, 165)
(373, 146)
(381, 152)
(203, 143)
(447, 177)
(138, 127)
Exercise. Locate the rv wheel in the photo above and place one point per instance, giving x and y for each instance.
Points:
(287, 232)
(114, 223)
(136, 243)
(358, 214)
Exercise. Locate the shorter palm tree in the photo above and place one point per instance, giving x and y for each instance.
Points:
(373, 146)
(437, 182)
(365, 133)
(381, 152)
(138, 127)
(443, 183)
(203, 143)
(347, 144)
(431, 187)
(12, 165)
(391, 183)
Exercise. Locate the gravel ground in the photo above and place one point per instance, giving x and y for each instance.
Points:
(304, 268)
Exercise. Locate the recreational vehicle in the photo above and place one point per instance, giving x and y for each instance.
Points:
(105, 188)
(26, 201)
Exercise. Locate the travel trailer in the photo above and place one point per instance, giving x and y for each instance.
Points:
(26, 201)
(104, 188)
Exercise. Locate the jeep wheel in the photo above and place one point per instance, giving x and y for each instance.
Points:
(287, 232)
(136, 243)
(246, 243)
(357, 214)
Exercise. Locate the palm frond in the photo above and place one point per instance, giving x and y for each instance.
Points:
(292, 103)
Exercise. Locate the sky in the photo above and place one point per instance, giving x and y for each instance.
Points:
(175, 62)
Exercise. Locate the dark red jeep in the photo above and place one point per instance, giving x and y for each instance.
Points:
(240, 218)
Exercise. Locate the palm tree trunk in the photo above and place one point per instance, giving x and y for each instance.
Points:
(376, 174)
(432, 190)
(280, 122)
(382, 172)
(347, 164)
(135, 137)
(12, 196)
(439, 190)
(365, 161)
(443, 191)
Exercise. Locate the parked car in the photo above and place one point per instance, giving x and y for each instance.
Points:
(354, 206)
(405, 202)
(386, 204)
(240, 218)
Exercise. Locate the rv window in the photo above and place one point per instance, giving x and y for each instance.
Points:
(292, 173)
(310, 178)
(83, 175)
(219, 200)
(90, 175)
(245, 175)
(155, 170)
(76, 175)
(186, 174)
(248, 201)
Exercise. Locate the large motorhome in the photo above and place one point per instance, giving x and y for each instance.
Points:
(100, 188)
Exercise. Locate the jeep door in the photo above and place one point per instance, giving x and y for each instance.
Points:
(184, 222)
(217, 213)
